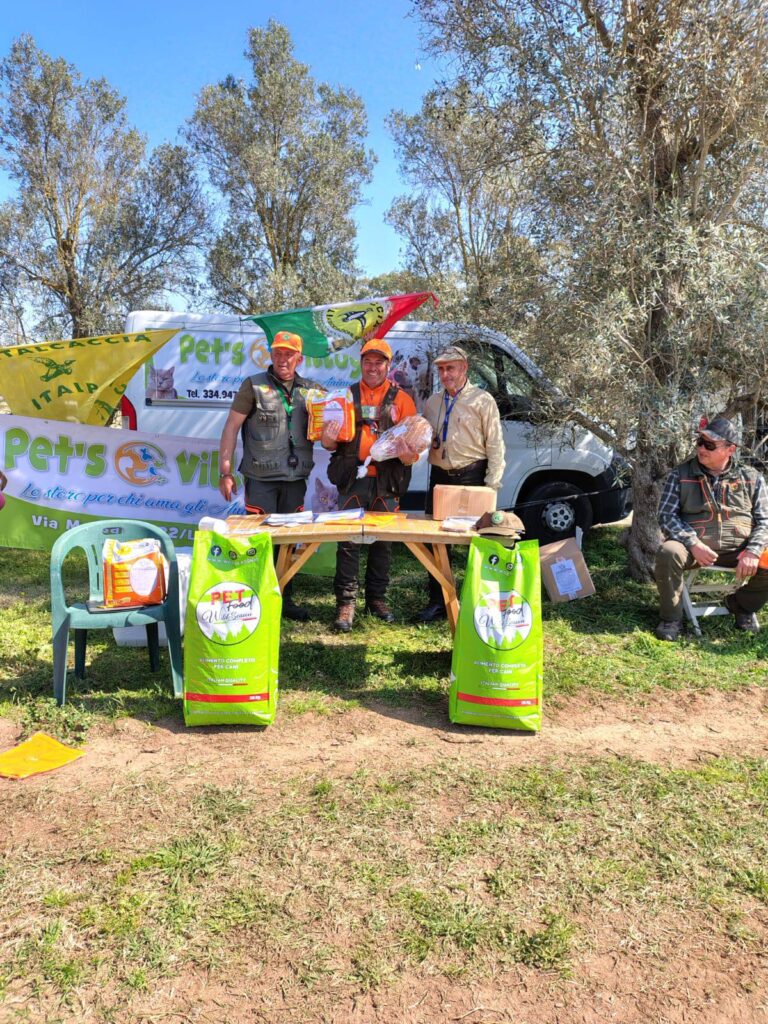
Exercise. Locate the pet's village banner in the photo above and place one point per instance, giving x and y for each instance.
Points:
(80, 380)
(61, 474)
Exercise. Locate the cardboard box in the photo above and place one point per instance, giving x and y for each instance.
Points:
(564, 572)
(462, 501)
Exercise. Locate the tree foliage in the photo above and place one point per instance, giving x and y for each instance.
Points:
(466, 219)
(642, 133)
(95, 228)
(288, 157)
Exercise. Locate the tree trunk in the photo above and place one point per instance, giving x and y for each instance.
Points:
(644, 534)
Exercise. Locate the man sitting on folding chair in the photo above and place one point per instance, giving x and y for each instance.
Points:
(713, 513)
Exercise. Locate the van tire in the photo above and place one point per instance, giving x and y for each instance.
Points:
(563, 507)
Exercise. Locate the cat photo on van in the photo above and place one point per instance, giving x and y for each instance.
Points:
(160, 383)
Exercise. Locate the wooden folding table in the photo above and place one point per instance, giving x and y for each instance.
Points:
(423, 537)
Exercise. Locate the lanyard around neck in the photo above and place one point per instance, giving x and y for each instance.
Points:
(449, 409)
(287, 403)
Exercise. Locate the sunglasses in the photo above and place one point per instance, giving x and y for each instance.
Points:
(711, 446)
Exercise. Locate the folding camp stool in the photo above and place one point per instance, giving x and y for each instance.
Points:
(714, 592)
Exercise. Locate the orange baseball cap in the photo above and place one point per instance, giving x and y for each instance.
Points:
(377, 345)
(284, 339)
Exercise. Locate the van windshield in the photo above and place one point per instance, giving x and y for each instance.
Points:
(497, 373)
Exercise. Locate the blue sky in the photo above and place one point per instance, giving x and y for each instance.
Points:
(160, 54)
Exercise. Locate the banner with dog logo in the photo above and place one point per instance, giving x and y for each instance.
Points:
(231, 631)
(497, 666)
(55, 475)
(80, 381)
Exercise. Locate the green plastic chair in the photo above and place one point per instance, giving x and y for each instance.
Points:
(77, 616)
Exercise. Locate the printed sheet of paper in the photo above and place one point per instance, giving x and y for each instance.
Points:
(566, 577)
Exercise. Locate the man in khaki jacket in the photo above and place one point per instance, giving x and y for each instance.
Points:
(467, 446)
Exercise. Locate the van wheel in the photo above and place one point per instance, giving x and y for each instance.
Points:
(562, 507)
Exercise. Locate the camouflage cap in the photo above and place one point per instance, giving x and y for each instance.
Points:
(720, 429)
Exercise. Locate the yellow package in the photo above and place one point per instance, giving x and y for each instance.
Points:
(330, 407)
(134, 574)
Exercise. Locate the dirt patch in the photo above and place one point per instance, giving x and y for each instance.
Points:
(662, 968)
(672, 729)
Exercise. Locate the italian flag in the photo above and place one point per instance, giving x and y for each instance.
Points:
(326, 329)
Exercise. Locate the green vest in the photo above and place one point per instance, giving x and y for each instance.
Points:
(719, 511)
(266, 446)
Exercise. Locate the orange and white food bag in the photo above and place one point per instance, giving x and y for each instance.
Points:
(330, 407)
(133, 573)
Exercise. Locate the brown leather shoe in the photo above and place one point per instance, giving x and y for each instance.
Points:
(378, 608)
(345, 616)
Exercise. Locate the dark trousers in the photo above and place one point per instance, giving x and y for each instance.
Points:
(673, 559)
(472, 476)
(268, 496)
(345, 583)
(274, 495)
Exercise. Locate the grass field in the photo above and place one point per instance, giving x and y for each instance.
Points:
(362, 860)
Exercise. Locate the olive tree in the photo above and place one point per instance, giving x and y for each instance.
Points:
(95, 227)
(642, 125)
(287, 157)
(466, 219)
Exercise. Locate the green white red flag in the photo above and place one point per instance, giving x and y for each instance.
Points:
(327, 329)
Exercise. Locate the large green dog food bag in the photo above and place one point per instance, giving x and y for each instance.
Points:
(496, 671)
(231, 631)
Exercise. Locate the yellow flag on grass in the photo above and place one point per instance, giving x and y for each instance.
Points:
(40, 753)
(80, 381)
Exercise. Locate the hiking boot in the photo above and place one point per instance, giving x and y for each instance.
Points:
(292, 611)
(745, 621)
(378, 608)
(431, 613)
(667, 630)
(345, 616)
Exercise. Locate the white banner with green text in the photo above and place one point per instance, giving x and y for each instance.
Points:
(61, 474)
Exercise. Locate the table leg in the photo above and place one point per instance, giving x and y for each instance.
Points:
(449, 592)
(437, 564)
(288, 562)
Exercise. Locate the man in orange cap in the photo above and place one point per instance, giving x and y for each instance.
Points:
(379, 404)
(271, 413)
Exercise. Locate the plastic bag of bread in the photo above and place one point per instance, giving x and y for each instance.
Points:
(330, 407)
(134, 573)
(408, 437)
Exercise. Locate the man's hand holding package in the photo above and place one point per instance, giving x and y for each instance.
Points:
(408, 456)
(329, 438)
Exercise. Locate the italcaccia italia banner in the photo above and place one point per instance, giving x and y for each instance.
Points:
(80, 380)
(62, 474)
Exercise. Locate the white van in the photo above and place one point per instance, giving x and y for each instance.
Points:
(556, 479)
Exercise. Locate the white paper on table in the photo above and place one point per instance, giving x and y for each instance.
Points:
(566, 577)
(342, 514)
(288, 518)
(459, 524)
